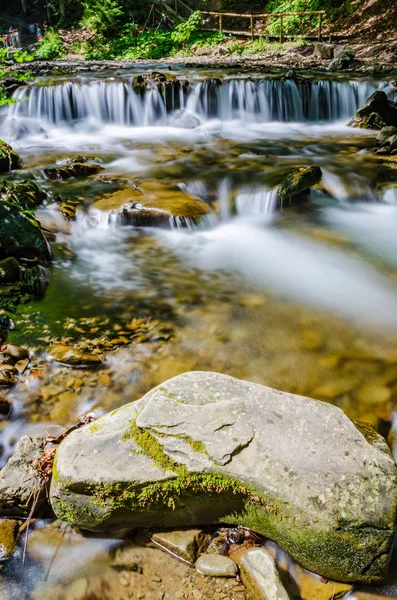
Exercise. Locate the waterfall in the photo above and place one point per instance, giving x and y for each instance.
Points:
(252, 202)
(258, 100)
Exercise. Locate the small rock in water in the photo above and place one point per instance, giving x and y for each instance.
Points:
(259, 574)
(72, 357)
(15, 351)
(216, 565)
(8, 537)
(184, 543)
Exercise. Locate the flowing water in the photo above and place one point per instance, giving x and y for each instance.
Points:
(300, 298)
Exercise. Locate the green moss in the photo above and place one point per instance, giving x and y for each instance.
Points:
(96, 426)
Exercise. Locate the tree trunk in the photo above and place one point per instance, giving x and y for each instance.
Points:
(62, 7)
(24, 7)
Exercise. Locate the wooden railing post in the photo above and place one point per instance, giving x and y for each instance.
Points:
(281, 29)
(220, 22)
(176, 8)
(320, 22)
(252, 26)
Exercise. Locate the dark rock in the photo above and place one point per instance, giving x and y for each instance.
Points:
(21, 235)
(298, 183)
(8, 375)
(344, 61)
(9, 270)
(25, 194)
(8, 158)
(75, 169)
(5, 407)
(377, 113)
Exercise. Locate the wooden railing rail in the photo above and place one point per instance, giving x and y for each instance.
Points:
(253, 17)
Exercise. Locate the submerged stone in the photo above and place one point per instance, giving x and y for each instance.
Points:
(72, 356)
(185, 543)
(74, 169)
(298, 183)
(207, 448)
(8, 537)
(259, 574)
(216, 565)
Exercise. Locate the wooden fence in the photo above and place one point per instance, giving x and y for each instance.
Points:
(254, 18)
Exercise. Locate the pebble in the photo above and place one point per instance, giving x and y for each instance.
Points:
(156, 578)
(184, 542)
(215, 565)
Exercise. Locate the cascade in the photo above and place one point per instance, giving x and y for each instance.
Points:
(249, 100)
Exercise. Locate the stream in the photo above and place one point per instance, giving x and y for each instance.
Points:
(301, 298)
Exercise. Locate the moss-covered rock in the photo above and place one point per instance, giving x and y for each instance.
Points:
(207, 448)
(9, 159)
(73, 169)
(8, 537)
(21, 235)
(296, 185)
(25, 194)
(378, 112)
(152, 204)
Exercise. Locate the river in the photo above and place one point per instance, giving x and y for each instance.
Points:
(302, 298)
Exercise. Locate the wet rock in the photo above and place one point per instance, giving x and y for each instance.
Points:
(207, 448)
(7, 375)
(8, 158)
(21, 235)
(72, 356)
(322, 50)
(296, 185)
(259, 574)
(312, 587)
(16, 352)
(152, 204)
(9, 271)
(5, 407)
(168, 85)
(368, 596)
(185, 543)
(377, 113)
(25, 194)
(19, 481)
(215, 565)
(74, 169)
(8, 537)
(386, 140)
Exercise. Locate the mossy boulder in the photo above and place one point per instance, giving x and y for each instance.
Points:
(21, 235)
(207, 448)
(386, 140)
(296, 185)
(9, 159)
(25, 194)
(152, 204)
(9, 271)
(378, 112)
(72, 169)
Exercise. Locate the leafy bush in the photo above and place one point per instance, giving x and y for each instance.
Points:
(102, 16)
(297, 25)
(51, 46)
(185, 31)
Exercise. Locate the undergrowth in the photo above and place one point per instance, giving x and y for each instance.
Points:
(51, 46)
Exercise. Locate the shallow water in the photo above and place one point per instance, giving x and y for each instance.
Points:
(299, 298)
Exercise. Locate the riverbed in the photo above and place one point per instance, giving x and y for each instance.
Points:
(301, 298)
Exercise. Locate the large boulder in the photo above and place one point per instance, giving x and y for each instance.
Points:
(207, 448)
(20, 234)
(378, 112)
(296, 185)
(9, 159)
(322, 50)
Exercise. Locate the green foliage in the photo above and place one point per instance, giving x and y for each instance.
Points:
(103, 16)
(21, 56)
(185, 31)
(51, 46)
(296, 25)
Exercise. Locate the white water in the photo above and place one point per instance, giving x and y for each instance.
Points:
(265, 100)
